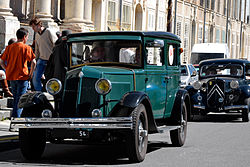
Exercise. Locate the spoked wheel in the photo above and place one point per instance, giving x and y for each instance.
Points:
(178, 136)
(32, 143)
(138, 137)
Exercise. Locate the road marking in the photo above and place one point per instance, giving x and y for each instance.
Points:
(9, 138)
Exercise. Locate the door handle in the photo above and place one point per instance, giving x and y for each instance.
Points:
(168, 77)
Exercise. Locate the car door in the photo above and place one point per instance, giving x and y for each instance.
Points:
(155, 75)
(172, 59)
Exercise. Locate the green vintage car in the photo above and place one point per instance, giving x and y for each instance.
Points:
(119, 87)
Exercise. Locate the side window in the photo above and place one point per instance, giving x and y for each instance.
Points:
(155, 56)
(191, 69)
(248, 70)
(127, 55)
(172, 55)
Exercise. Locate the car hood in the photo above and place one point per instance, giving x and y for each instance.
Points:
(184, 78)
(99, 71)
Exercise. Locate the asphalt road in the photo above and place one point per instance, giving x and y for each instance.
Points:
(216, 140)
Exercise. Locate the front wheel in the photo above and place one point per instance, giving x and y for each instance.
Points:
(178, 136)
(245, 117)
(245, 112)
(138, 137)
(32, 143)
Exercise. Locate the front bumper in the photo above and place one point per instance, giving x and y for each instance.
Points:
(94, 123)
(224, 108)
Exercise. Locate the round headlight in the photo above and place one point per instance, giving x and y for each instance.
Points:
(234, 84)
(47, 113)
(53, 86)
(103, 86)
(197, 85)
(96, 113)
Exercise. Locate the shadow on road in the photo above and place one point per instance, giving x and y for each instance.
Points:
(223, 118)
(8, 146)
(58, 154)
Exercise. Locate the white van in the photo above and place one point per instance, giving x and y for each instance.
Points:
(205, 51)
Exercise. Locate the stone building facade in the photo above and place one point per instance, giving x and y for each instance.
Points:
(223, 21)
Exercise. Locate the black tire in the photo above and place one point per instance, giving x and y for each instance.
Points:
(32, 143)
(245, 112)
(245, 117)
(178, 136)
(190, 115)
(137, 141)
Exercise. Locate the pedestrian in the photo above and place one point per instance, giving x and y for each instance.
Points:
(14, 61)
(56, 67)
(44, 42)
(11, 41)
(3, 80)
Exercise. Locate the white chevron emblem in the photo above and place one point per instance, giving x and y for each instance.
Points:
(217, 89)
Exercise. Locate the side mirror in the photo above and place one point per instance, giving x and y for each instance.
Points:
(155, 43)
(194, 73)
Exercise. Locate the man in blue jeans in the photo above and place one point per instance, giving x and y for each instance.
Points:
(16, 56)
(44, 42)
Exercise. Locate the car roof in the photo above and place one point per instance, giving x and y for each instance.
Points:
(219, 61)
(157, 34)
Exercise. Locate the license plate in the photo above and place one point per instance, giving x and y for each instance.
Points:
(83, 133)
(70, 133)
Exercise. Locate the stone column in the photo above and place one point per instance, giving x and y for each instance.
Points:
(74, 16)
(43, 11)
(18, 9)
(55, 10)
(88, 14)
(31, 10)
(8, 23)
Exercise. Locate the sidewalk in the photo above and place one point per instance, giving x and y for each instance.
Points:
(5, 108)
(5, 134)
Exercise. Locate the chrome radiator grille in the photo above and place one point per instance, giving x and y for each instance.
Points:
(74, 106)
(215, 93)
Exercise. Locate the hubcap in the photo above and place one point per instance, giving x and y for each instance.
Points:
(183, 125)
(142, 133)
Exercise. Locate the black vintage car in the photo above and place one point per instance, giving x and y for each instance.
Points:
(223, 86)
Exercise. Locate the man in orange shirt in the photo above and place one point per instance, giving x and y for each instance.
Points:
(17, 55)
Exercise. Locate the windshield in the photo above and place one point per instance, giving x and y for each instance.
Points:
(184, 71)
(122, 52)
(234, 70)
(197, 57)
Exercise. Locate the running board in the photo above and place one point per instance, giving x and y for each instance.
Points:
(163, 129)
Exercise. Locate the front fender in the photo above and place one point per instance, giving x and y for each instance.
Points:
(33, 103)
(246, 91)
(133, 99)
(182, 97)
